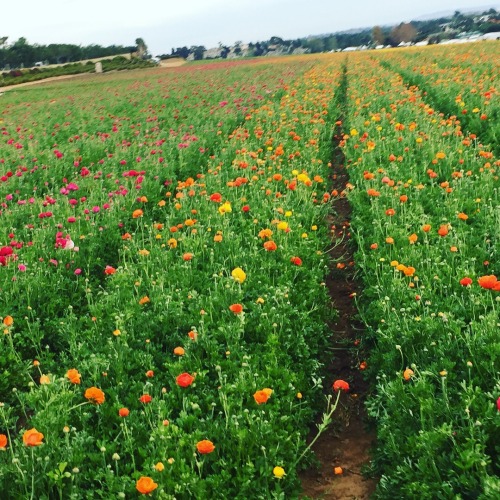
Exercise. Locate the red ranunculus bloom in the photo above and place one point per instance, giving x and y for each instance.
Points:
(340, 385)
(184, 380)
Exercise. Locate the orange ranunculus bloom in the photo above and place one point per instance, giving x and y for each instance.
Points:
(184, 380)
(145, 485)
(490, 282)
(443, 230)
(95, 395)
(265, 233)
(426, 228)
(32, 437)
(270, 246)
(137, 213)
(73, 376)
(8, 321)
(462, 216)
(236, 308)
(204, 447)
(262, 396)
(187, 256)
(3, 441)
(179, 351)
(408, 374)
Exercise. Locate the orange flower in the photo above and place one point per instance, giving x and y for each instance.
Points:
(489, 282)
(204, 447)
(179, 351)
(95, 395)
(408, 374)
(462, 216)
(73, 376)
(270, 246)
(262, 396)
(389, 240)
(44, 380)
(265, 233)
(390, 212)
(187, 256)
(443, 230)
(8, 321)
(3, 441)
(426, 228)
(144, 300)
(124, 412)
(412, 238)
(145, 485)
(137, 213)
(338, 471)
(32, 437)
(236, 308)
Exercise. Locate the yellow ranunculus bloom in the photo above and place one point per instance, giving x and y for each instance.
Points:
(239, 275)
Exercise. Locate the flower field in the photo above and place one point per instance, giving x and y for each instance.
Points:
(164, 251)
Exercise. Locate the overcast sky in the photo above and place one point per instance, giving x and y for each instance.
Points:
(164, 24)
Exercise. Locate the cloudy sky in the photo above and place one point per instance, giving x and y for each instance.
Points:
(164, 24)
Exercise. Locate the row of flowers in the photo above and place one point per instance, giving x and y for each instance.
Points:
(425, 200)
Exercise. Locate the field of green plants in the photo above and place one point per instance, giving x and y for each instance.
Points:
(163, 258)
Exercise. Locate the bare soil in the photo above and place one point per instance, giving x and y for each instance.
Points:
(347, 442)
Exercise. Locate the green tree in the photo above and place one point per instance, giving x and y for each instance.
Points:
(378, 35)
(142, 48)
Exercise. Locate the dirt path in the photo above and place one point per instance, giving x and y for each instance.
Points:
(172, 63)
(45, 80)
(347, 442)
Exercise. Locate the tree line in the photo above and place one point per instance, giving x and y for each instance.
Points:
(21, 54)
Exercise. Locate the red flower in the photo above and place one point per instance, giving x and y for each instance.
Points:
(466, 281)
(340, 385)
(236, 308)
(145, 398)
(184, 380)
(245, 208)
(296, 261)
(109, 270)
(217, 197)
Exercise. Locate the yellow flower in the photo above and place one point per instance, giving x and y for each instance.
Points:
(282, 226)
(159, 466)
(239, 275)
(225, 208)
(44, 380)
(279, 472)
(144, 252)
